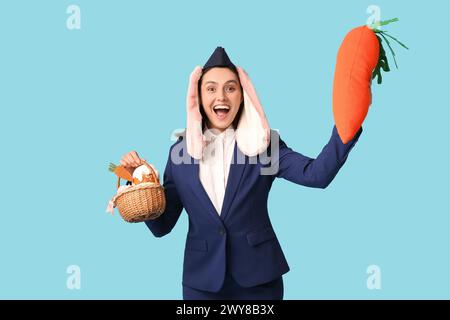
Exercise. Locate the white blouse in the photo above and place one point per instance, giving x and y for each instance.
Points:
(214, 167)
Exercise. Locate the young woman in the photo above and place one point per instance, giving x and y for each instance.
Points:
(220, 171)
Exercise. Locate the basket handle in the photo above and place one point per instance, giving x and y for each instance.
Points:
(151, 170)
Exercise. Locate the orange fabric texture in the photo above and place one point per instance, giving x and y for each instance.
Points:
(352, 97)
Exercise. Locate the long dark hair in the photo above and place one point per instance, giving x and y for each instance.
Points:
(202, 112)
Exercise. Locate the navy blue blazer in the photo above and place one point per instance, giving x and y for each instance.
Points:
(241, 238)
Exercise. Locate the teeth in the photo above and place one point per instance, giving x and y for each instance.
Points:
(221, 108)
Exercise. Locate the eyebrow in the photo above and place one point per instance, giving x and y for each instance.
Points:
(225, 82)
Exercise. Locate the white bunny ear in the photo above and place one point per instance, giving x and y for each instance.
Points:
(194, 131)
(253, 131)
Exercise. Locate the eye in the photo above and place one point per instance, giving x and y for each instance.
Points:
(211, 89)
(230, 89)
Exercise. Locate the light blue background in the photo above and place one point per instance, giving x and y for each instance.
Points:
(73, 101)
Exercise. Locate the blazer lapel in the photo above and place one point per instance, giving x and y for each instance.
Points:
(234, 179)
(200, 191)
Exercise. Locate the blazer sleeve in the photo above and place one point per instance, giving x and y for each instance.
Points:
(319, 172)
(164, 224)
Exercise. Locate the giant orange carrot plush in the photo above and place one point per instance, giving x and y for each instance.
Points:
(360, 59)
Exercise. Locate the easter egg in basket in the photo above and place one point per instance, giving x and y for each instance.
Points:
(144, 174)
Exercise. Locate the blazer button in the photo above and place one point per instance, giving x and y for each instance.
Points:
(221, 231)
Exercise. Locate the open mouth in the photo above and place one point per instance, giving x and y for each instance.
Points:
(221, 111)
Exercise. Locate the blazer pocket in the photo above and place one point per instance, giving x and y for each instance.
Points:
(260, 236)
(196, 245)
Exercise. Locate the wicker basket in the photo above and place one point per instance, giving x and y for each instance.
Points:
(145, 201)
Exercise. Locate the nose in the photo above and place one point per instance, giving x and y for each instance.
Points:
(221, 97)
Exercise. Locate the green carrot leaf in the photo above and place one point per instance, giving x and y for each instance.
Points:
(112, 167)
(378, 24)
(395, 39)
(390, 48)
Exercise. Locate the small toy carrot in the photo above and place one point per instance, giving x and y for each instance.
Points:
(361, 58)
(121, 172)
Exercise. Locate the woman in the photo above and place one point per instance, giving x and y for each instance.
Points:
(220, 171)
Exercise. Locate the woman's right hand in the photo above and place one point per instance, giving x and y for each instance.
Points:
(131, 161)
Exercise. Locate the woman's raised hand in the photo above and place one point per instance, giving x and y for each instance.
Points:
(131, 160)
